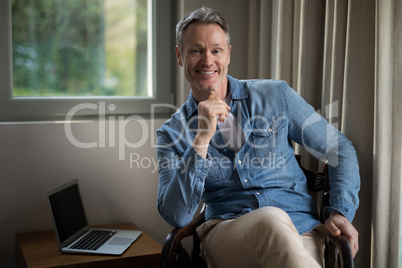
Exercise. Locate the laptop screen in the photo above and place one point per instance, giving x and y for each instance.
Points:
(68, 211)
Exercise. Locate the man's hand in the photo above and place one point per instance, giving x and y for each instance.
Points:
(209, 112)
(337, 224)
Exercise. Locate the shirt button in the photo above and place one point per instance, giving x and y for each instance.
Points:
(239, 161)
(258, 193)
(269, 129)
(245, 180)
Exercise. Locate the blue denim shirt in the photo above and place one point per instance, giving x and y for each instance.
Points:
(265, 171)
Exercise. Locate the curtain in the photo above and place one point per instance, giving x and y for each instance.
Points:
(344, 57)
(341, 56)
(387, 133)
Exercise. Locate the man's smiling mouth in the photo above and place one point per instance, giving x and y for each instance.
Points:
(206, 72)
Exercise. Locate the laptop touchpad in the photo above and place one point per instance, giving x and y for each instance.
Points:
(120, 241)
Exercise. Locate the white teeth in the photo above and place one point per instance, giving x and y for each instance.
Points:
(205, 72)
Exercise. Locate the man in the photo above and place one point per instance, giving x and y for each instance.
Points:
(230, 145)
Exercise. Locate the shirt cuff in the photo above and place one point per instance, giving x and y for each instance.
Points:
(195, 163)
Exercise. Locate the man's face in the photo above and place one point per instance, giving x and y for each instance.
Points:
(205, 57)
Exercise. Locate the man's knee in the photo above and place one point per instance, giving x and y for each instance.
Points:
(271, 223)
(272, 219)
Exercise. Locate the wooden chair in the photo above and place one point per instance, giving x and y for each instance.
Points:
(337, 249)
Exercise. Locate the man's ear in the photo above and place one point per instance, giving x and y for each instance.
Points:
(229, 50)
(178, 55)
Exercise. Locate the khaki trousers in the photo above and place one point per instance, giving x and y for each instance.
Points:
(265, 237)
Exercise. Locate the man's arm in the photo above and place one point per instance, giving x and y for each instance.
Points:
(181, 181)
(325, 142)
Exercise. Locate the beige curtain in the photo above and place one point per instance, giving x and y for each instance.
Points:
(387, 135)
(344, 58)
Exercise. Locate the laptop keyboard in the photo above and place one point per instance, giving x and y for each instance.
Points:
(93, 240)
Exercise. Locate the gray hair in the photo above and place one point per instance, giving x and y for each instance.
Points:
(202, 15)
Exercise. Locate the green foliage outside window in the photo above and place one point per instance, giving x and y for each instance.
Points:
(79, 47)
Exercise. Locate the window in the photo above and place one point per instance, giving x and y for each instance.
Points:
(62, 54)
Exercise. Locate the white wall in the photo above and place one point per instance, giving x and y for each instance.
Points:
(35, 157)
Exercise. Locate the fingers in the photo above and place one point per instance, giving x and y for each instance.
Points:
(331, 227)
(213, 109)
(225, 114)
(217, 108)
(337, 225)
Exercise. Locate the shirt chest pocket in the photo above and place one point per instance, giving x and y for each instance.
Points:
(268, 139)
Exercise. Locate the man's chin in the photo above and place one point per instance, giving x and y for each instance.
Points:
(207, 88)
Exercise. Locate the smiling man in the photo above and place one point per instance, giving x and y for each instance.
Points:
(223, 147)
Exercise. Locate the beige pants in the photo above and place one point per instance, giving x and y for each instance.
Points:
(265, 237)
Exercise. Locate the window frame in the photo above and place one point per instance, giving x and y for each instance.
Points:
(56, 108)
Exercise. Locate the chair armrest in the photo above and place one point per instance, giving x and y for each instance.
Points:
(172, 249)
(345, 253)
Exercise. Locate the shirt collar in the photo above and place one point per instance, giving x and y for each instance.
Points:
(236, 89)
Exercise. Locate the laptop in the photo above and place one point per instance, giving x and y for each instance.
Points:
(72, 229)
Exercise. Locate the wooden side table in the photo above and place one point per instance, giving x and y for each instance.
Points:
(40, 249)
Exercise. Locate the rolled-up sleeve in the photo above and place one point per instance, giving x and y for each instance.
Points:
(181, 181)
(326, 143)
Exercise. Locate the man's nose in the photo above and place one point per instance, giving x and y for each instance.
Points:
(207, 58)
